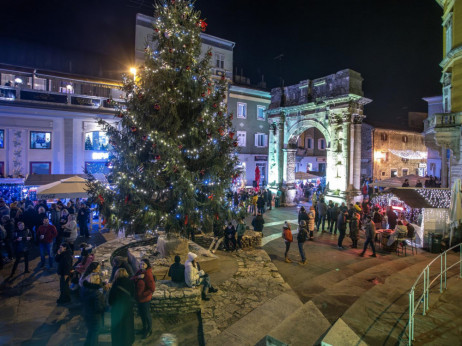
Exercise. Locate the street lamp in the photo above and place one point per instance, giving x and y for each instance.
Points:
(133, 71)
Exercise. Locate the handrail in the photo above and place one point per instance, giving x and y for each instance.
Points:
(425, 297)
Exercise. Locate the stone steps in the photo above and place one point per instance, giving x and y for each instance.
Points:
(254, 326)
(380, 314)
(305, 326)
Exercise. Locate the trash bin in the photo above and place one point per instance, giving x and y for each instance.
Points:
(434, 240)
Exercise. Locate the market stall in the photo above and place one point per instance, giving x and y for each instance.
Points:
(12, 189)
(426, 209)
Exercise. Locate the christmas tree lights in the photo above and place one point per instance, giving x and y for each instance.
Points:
(172, 148)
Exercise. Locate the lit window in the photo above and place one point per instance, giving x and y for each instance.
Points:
(241, 110)
(394, 173)
(241, 138)
(261, 140)
(448, 41)
(96, 140)
(260, 112)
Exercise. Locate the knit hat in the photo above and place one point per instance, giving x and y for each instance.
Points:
(286, 225)
(302, 223)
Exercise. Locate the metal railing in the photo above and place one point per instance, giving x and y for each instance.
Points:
(424, 298)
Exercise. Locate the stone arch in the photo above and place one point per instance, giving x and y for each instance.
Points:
(301, 126)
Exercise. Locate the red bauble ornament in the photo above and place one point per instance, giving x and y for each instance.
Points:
(170, 50)
(133, 128)
(120, 115)
(209, 91)
(188, 68)
(220, 113)
(231, 135)
(234, 144)
(203, 94)
(140, 96)
(100, 199)
(157, 106)
(156, 29)
(231, 116)
(223, 77)
(214, 105)
(220, 130)
(127, 199)
(180, 147)
(144, 138)
(202, 24)
(209, 53)
(217, 217)
(186, 219)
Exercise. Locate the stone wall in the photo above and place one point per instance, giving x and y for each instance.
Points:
(168, 299)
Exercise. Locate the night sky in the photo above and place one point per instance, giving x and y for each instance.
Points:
(394, 44)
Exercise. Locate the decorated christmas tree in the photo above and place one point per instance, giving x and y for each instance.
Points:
(172, 155)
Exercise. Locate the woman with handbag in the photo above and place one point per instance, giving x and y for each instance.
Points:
(69, 231)
(145, 287)
(121, 299)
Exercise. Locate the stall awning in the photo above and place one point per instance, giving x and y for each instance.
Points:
(11, 181)
(411, 197)
(44, 179)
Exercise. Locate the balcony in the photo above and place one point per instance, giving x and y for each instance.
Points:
(443, 120)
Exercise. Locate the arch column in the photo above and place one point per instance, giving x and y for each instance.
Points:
(357, 157)
(290, 155)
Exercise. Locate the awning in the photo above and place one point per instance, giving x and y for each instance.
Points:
(74, 187)
(43, 179)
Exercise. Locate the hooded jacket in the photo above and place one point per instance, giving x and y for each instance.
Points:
(191, 273)
(145, 287)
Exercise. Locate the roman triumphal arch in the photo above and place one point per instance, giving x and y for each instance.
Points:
(332, 104)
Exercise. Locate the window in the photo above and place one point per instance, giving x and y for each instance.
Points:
(405, 171)
(394, 173)
(447, 99)
(40, 140)
(448, 27)
(96, 140)
(261, 112)
(8, 79)
(2, 169)
(40, 83)
(261, 140)
(241, 138)
(241, 110)
(97, 167)
(384, 136)
(321, 167)
(219, 60)
(383, 173)
(40, 168)
(308, 143)
(321, 144)
(2, 139)
(405, 139)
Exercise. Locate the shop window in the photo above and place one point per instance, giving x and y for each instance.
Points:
(40, 83)
(40, 167)
(2, 139)
(40, 140)
(96, 167)
(96, 140)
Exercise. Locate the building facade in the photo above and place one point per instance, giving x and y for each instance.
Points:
(367, 156)
(397, 153)
(311, 152)
(248, 106)
(48, 122)
(443, 128)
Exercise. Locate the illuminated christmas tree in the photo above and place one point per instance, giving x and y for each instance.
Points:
(172, 155)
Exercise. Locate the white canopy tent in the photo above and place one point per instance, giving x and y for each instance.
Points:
(74, 187)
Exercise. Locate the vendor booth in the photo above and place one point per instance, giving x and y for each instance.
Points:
(426, 209)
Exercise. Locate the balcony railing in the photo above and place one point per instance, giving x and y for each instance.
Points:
(439, 120)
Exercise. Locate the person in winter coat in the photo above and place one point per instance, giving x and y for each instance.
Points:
(121, 298)
(119, 262)
(321, 210)
(69, 231)
(8, 225)
(240, 230)
(176, 271)
(258, 222)
(82, 219)
(93, 268)
(334, 216)
(288, 239)
(341, 225)
(145, 287)
(93, 306)
(193, 276)
(21, 240)
(302, 215)
(4, 210)
(64, 260)
(261, 204)
(269, 198)
(392, 218)
(377, 218)
(46, 233)
(230, 237)
(30, 215)
(370, 235)
(310, 222)
(354, 229)
(218, 236)
(330, 206)
(254, 204)
(302, 236)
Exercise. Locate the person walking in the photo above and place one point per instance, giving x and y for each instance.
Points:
(334, 216)
(354, 229)
(121, 298)
(310, 222)
(240, 230)
(330, 207)
(269, 197)
(145, 287)
(258, 222)
(46, 234)
(21, 241)
(93, 306)
(288, 239)
(341, 225)
(261, 204)
(64, 260)
(302, 236)
(370, 235)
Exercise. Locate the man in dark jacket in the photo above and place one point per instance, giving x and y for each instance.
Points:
(46, 233)
(64, 260)
(341, 225)
(82, 220)
(330, 206)
(269, 198)
(176, 271)
(22, 238)
(321, 211)
(261, 204)
(230, 237)
(392, 218)
(120, 262)
(334, 212)
(302, 236)
(8, 225)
